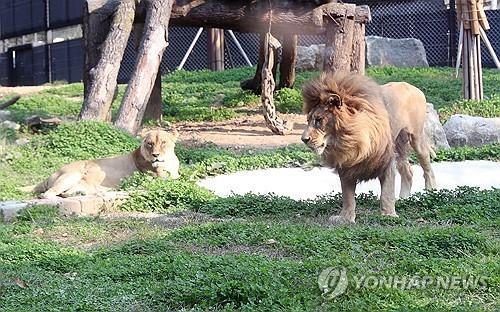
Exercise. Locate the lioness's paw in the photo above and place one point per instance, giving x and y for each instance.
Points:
(48, 195)
(340, 220)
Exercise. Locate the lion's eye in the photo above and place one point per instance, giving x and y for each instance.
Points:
(150, 144)
(317, 121)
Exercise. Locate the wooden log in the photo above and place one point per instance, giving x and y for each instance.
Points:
(288, 17)
(154, 43)
(288, 60)
(103, 60)
(339, 42)
(479, 69)
(465, 65)
(9, 102)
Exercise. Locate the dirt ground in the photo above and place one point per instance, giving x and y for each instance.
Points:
(22, 90)
(244, 132)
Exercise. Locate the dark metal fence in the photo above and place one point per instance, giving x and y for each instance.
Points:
(21, 17)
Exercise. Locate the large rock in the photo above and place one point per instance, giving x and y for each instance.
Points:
(473, 131)
(408, 52)
(4, 115)
(310, 58)
(434, 130)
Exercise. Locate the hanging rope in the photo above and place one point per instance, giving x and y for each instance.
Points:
(271, 44)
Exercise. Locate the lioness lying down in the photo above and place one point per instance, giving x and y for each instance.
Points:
(364, 131)
(155, 154)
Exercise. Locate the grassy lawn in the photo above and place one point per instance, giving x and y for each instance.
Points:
(266, 259)
(213, 96)
(245, 253)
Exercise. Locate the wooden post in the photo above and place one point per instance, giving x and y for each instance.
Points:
(216, 49)
(154, 43)
(358, 49)
(288, 60)
(339, 41)
(103, 60)
(471, 14)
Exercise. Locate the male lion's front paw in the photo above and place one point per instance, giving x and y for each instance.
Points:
(340, 220)
(390, 214)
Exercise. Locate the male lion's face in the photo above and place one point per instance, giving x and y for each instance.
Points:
(157, 145)
(320, 128)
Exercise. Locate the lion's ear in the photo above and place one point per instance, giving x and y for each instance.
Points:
(144, 131)
(175, 134)
(334, 100)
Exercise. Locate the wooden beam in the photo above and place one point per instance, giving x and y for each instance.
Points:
(288, 17)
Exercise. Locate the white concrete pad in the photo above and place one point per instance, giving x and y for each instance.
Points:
(300, 184)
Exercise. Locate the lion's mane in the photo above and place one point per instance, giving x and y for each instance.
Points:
(361, 146)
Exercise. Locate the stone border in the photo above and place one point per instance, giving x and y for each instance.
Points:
(78, 205)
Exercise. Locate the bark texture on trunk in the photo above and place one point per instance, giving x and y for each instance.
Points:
(339, 42)
(153, 44)
(103, 59)
(288, 60)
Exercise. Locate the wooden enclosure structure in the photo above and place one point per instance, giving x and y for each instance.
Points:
(473, 24)
(108, 24)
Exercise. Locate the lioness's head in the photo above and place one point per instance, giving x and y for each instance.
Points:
(157, 145)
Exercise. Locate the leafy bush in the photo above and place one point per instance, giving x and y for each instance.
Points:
(485, 152)
(487, 108)
(148, 193)
(83, 140)
(288, 100)
(44, 105)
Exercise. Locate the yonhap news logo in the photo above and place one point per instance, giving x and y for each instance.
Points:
(333, 282)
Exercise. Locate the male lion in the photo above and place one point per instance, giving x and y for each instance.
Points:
(363, 130)
(155, 154)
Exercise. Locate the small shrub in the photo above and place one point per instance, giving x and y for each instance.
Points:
(148, 193)
(288, 100)
(486, 108)
(83, 140)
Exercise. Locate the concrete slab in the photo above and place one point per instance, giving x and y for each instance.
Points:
(300, 184)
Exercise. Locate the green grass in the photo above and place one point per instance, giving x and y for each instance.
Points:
(31, 163)
(215, 96)
(267, 261)
(244, 253)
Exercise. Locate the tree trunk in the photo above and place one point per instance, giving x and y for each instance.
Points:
(154, 43)
(154, 108)
(339, 42)
(104, 63)
(288, 60)
(255, 84)
(216, 49)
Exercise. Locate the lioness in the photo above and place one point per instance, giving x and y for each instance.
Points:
(364, 130)
(155, 154)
